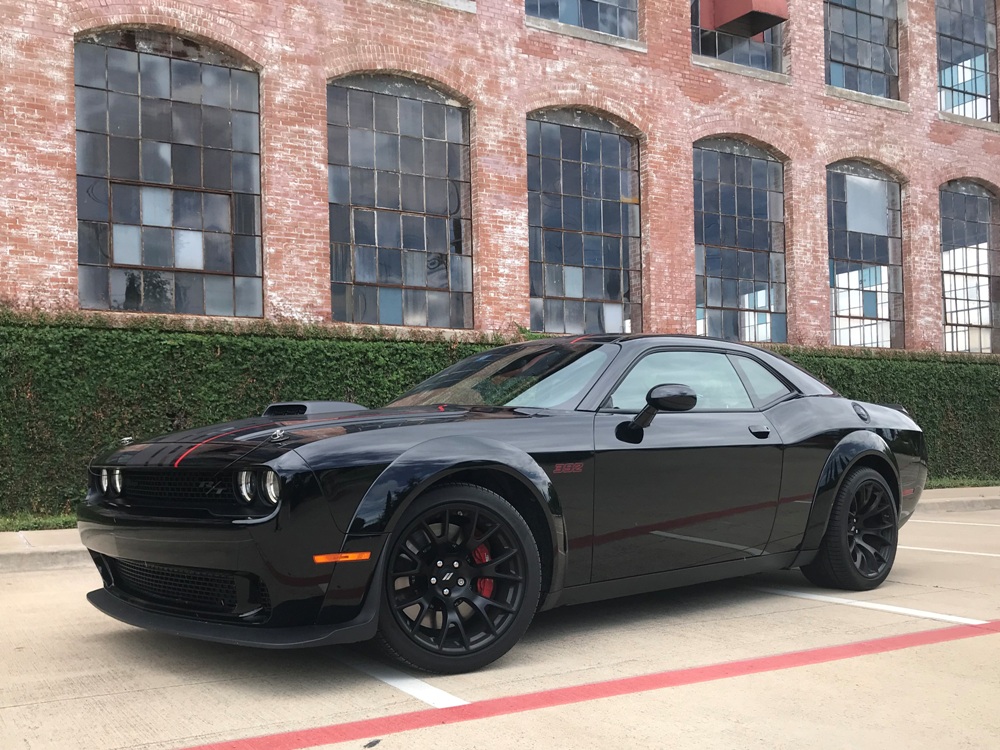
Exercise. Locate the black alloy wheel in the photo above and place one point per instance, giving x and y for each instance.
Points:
(462, 581)
(859, 547)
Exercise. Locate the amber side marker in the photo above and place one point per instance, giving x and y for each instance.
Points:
(342, 557)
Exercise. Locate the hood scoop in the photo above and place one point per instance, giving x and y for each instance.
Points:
(306, 408)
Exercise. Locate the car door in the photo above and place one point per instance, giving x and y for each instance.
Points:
(702, 485)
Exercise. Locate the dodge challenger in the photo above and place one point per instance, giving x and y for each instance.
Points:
(525, 477)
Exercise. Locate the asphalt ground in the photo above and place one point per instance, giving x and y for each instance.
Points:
(764, 661)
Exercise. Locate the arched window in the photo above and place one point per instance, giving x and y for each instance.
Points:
(862, 46)
(865, 241)
(970, 222)
(583, 223)
(168, 176)
(967, 58)
(400, 204)
(739, 236)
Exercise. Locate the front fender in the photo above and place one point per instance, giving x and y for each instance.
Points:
(851, 449)
(429, 462)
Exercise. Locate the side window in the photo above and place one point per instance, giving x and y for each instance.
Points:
(764, 386)
(710, 374)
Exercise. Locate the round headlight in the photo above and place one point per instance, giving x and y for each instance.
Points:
(272, 487)
(246, 484)
(105, 481)
(116, 481)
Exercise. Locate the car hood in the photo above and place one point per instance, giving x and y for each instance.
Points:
(267, 437)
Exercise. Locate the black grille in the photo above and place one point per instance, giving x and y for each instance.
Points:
(195, 488)
(191, 589)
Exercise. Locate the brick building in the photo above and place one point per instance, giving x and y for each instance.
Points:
(563, 165)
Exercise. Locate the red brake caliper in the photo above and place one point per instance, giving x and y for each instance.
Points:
(481, 556)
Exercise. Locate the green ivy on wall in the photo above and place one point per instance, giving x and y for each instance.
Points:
(72, 385)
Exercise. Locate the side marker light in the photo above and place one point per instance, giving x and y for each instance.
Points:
(342, 557)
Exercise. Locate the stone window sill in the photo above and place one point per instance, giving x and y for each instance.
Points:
(544, 24)
(969, 121)
(466, 6)
(744, 70)
(857, 96)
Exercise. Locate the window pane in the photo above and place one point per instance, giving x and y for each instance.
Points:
(737, 254)
(175, 112)
(969, 224)
(863, 220)
(710, 375)
(418, 181)
(862, 46)
(581, 238)
(763, 51)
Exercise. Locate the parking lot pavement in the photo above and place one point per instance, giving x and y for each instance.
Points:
(765, 661)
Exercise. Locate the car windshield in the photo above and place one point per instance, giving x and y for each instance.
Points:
(528, 375)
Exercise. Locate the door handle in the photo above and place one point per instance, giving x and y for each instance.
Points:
(760, 430)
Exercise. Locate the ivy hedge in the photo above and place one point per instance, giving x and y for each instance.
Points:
(71, 385)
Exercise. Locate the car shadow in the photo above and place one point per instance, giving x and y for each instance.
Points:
(166, 658)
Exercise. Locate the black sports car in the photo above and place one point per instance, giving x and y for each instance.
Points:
(525, 477)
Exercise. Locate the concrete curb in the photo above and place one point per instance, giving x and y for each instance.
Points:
(24, 551)
(958, 504)
(52, 558)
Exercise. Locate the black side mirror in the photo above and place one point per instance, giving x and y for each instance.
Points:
(666, 397)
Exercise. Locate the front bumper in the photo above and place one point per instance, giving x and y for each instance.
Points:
(252, 583)
(361, 628)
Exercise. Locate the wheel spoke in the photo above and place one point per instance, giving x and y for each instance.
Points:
(489, 569)
(400, 572)
(876, 507)
(415, 623)
(479, 604)
(476, 541)
(416, 598)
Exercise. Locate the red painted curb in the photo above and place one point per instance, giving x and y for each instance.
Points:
(356, 730)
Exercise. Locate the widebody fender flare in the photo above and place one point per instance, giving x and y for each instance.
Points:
(848, 452)
(427, 463)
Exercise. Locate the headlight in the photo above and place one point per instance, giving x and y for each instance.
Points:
(246, 484)
(111, 482)
(116, 481)
(272, 487)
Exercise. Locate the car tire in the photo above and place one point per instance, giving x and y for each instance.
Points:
(462, 581)
(859, 546)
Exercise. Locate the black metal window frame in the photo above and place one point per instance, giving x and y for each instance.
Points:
(615, 17)
(967, 58)
(400, 198)
(584, 244)
(970, 267)
(763, 52)
(862, 46)
(168, 176)
(739, 229)
(864, 232)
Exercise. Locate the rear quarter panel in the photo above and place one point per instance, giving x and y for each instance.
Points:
(824, 438)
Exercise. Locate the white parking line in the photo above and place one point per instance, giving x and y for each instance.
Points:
(872, 605)
(418, 689)
(953, 523)
(952, 551)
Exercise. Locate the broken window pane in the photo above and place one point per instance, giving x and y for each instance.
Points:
(176, 111)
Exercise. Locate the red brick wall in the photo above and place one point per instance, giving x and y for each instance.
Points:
(503, 70)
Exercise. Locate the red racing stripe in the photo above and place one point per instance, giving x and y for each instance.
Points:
(380, 727)
(216, 437)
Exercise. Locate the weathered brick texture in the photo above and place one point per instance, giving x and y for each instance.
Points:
(502, 69)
